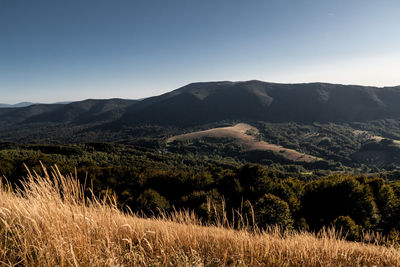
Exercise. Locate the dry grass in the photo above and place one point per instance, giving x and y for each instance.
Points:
(240, 132)
(49, 222)
(372, 137)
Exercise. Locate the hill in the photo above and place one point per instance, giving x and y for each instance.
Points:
(317, 120)
(90, 110)
(246, 135)
(200, 103)
(18, 105)
(52, 223)
(76, 112)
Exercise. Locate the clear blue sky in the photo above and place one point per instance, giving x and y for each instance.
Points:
(57, 50)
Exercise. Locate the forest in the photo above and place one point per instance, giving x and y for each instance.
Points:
(152, 181)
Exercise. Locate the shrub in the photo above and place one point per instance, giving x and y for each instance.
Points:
(273, 211)
(348, 227)
(150, 201)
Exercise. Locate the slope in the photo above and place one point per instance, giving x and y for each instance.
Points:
(246, 135)
(52, 223)
(200, 103)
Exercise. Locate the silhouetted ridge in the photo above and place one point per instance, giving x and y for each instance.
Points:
(199, 103)
(85, 111)
(76, 112)
(207, 102)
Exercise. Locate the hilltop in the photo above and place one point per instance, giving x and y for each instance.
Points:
(317, 120)
(18, 105)
(247, 136)
(207, 102)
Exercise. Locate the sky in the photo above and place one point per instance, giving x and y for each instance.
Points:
(68, 50)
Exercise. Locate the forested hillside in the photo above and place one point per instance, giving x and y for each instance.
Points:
(150, 181)
(51, 222)
(301, 156)
(199, 104)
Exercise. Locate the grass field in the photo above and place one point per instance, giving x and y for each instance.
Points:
(49, 222)
(246, 135)
(375, 138)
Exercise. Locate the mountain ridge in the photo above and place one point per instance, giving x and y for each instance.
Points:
(208, 102)
(257, 100)
(18, 105)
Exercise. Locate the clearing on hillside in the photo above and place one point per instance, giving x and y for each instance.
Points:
(247, 136)
(376, 138)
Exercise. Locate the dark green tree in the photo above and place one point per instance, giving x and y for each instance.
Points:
(348, 227)
(270, 210)
(150, 201)
(326, 199)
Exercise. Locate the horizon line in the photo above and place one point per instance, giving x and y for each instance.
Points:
(197, 82)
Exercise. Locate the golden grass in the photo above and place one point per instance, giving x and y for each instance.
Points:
(49, 222)
(240, 132)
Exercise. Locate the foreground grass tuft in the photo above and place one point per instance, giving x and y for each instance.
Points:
(49, 222)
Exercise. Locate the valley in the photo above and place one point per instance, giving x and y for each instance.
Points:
(199, 133)
(269, 154)
(272, 154)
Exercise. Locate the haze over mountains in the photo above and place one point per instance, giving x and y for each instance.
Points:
(200, 103)
(27, 104)
(18, 105)
(79, 112)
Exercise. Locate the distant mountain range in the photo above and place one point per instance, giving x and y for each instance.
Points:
(19, 105)
(208, 102)
(79, 112)
(26, 104)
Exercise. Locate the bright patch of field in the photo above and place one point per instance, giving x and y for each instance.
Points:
(247, 136)
(376, 138)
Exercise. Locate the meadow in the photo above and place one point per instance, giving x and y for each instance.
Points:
(49, 221)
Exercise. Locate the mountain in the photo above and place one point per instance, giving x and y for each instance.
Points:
(79, 112)
(341, 124)
(27, 104)
(199, 103)
(19, 105)
(90, 110)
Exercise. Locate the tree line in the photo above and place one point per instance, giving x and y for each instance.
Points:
(150, 182)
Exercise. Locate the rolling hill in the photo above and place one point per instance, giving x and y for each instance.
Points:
(51, 222)
(246, 135)
(200, 103)
(80, 112)
(329, 113)
(18, 105)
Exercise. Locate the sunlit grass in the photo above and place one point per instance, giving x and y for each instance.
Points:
(49, 222)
